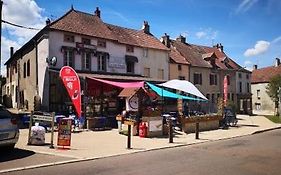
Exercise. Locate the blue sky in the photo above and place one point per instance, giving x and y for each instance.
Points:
(248, 29)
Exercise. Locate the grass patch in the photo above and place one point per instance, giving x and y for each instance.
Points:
(275, 119)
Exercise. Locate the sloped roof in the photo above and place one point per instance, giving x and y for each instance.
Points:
(83, 23)
(135, 37)
(263, 75)
(177, 57)
(192, 54)
(195, 55)
(91, 25)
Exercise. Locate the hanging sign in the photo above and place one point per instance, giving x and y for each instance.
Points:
(64, 132)
(71, 82)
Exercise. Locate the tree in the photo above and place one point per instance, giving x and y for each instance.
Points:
(273, 90)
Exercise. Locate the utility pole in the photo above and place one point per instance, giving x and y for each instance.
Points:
(1, 4)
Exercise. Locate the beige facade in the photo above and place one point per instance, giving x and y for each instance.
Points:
(262, 103)
(179, 71)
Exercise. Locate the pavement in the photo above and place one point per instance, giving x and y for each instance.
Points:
(90, 145)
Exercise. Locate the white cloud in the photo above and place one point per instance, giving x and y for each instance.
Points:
(208, 33)
(260, 48)
(5, 50)
(276, 40)
(245, 5)
(22, 12)
(247, 62)
(201, 34)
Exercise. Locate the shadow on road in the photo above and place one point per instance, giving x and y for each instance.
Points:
(8, 155)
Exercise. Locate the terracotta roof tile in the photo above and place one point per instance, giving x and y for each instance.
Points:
(177, 57)
(135, 37)
(82, 23)
(264, 75)
(91, 25)
(195, 55)
(192, 54)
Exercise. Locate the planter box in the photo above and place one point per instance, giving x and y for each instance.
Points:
(205, 123)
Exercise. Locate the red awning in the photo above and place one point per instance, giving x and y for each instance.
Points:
(137, 84)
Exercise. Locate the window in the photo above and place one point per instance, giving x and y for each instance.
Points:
(86, 61)
(247, 76)
(130, 67)
(213, 79)
(208, 96)
(181, 77)
(228, 96)
(258, 94)
(24, 70)
(218, 95)
(129, 48)
(213, 98)
(28, 68)
(232, 97)
(197, 78)
(248, 87)
(8, 69)
(145, 52)
(102, 58)
(258, 106)
(146, 72)
(101, 43)
(69, 38)
(240, 75)
(240, 87)
(179, 67)
(86, 41)
(68, 58)
(160, 74)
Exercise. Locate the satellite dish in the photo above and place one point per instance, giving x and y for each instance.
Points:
(53, 61)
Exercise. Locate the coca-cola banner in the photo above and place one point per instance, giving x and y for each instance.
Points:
(71, 82)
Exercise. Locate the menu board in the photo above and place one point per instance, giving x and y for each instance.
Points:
(64, 132)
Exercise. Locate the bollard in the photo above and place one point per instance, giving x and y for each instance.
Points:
(197, 130)
(129, 137)
(170, 131)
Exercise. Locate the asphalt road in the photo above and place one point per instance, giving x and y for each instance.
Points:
(23, 158)
(255, 154)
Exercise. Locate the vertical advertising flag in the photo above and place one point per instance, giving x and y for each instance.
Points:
(225, 89)
(71, 82)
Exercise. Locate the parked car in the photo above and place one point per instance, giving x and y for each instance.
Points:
(9, 130)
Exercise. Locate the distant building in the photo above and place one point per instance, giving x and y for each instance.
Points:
(262, 103)
(206, 68)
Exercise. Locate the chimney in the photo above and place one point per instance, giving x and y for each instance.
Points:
(255, 67)
(145, 27)
(97, 12)
(181, 39)
(11, 51)
(277, 62)
(221, 47)
(48, 21)
(166, 40)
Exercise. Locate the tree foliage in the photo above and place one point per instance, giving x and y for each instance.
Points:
(273, 89)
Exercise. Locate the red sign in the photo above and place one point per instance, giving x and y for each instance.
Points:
(225, 89)
(71, 82)
(64, 132)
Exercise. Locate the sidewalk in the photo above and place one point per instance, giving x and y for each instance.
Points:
(97, 144)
